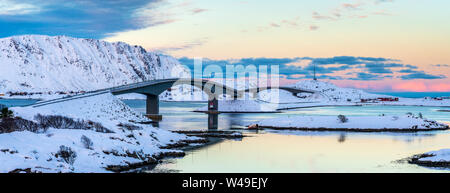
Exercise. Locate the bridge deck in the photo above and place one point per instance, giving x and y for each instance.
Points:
(130, 87)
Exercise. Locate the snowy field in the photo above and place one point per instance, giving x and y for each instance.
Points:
(364, 123)
(125, 144)
(434, 159)
(442, 155)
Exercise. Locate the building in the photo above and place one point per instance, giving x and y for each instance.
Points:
(388, 99)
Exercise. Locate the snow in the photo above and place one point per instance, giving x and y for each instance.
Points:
(184, 93)
(248, 106)
(329, 94)
(285, 97)
(418, 102)
(44, 65)
(442, 155)
(37, 150)
(360, 123)
(131, 96)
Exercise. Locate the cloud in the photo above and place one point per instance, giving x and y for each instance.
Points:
(410, 66)
(355, 9)
(410, 86)
(383, 1)
(333, 68)
(382, 68)
(410, 71)
(367, 76)
(274, 25)
(318, 16)
(382, 12)
(198, 10)
(441, 65)
(184, 46)
(421, 75)
(9, 7)
(311, 76)
(87, 19)
(350, 60)
(421, 86)
(313, 27)
(292, 23)
(352, 6)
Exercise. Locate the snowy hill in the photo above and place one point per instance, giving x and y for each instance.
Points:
(122, 143)
(334, 92)
(44, 64)
(356, 123)
(327, 92)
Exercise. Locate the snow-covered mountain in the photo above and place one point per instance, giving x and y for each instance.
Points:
(326, 92)
(333, 92)
(43, 64)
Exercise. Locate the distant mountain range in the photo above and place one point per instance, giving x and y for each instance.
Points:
(326, 92)
(332, 92)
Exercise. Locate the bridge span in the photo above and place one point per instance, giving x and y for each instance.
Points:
(153, 88)
(292, 90)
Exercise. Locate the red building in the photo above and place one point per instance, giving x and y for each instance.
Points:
(388, 99)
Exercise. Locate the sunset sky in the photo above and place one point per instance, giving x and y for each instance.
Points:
(378, 45)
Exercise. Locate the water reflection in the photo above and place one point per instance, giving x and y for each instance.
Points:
(213, 121)
(302, 151)
(17, 102)
(235, 120)
(270, 152)
(296, 151)
(342, 138)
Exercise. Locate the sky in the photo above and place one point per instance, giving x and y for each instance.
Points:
(376, 45)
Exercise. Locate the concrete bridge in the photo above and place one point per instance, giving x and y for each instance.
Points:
(292, 90)
(153, 88)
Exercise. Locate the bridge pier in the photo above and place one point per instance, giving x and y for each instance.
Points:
(213, 113)
(213, 121)
(213, 105)
(152, 107)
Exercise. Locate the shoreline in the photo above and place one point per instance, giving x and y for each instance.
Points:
(183, 145)
(186, 149)
(431, 164)
(396, 130)
(51, 97)
(238, 112)
(362, 105)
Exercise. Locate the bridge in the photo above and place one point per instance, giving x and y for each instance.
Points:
(153, 88)
(292, 90)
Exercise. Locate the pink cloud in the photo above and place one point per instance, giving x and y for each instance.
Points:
(443, 87)
(410, 86)
(195, 11)
(387, 86)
